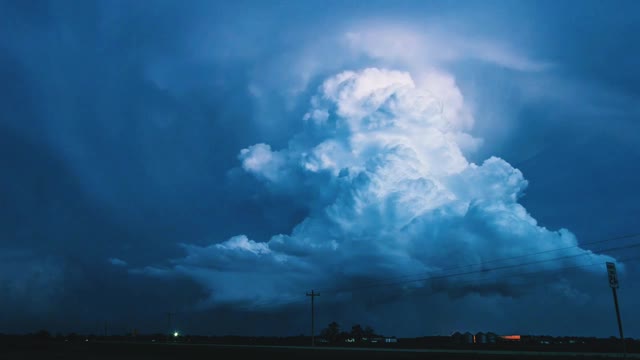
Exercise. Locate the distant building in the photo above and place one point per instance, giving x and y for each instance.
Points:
(492, 338)
(456, 337)
(390, 340)
(480, 338)
(467, 338)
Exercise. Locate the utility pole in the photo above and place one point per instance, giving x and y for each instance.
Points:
(313, 295)
(613, 283)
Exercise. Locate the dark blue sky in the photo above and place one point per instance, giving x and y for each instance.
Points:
(155, 158)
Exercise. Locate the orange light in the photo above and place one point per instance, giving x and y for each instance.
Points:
(511, 337)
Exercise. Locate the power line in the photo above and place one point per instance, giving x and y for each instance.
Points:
(621, 237)
(339, 290)
(504, 276)
(488, 282)
(389, 281)
(536, 272)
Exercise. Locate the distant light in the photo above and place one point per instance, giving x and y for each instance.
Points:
(511, 337)
(175, 334)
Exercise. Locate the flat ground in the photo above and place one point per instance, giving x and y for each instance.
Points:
(159, 351)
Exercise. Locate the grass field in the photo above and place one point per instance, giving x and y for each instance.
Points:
(141, 351)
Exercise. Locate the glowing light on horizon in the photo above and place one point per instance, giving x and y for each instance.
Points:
(511, 337)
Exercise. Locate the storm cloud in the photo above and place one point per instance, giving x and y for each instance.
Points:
(220, 160)
(389, 193)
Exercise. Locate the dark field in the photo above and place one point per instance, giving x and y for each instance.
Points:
(159, 351)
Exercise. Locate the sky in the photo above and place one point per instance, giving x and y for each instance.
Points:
(426, 166)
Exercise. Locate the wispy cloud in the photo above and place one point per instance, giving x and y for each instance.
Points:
(419, 47)
(117, 262)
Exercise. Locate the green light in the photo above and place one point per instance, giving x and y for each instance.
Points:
(175, 334)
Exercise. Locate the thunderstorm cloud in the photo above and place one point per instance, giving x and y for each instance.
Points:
(380, 167)
(427, 167)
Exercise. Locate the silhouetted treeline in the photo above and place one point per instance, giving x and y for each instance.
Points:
(357, 336)
(333, 334)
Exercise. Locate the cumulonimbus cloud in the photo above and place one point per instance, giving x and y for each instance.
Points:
(389, 192)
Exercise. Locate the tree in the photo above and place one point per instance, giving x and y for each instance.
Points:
(369, 332)
(331, 332)
(356, 332)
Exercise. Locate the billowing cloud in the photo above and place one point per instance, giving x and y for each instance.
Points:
(418, 47)
(128, 139)
(381, 169)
